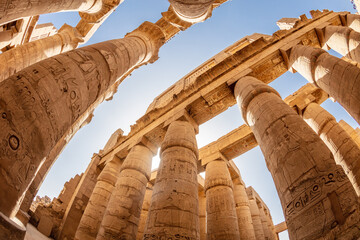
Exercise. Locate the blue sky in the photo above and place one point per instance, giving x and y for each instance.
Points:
(229, 23)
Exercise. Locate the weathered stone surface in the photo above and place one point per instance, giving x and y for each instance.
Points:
(14, 9)
(346, 152)
(246, 228)
(264, 222)
(340, 79)
(222, 222)
(122, 215)
(144, 212)
(192, 10)
(255, 215)
(174, 209)
(301, 165)
(91, 219)
(79, 200)
(202, 215)
(11, 230)
(40, 104)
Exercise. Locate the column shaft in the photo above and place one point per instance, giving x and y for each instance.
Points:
(15, 9)
(318, 199)
(246, 228)
(40, 104)
(256, 219)
(340, 79)
(264, 223)
(222, 223)
(144, 212)
(91, 219)
(29, 53)
(202, 215)
(346, 152)
(122, 215)
(174, 209)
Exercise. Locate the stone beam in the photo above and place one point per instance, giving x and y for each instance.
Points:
(280, 227)
(207, 92)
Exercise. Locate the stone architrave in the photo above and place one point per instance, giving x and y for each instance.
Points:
(202, 215)
(40, 104)
(222, 222)
(144, 212)
(174, 208)
(15, 9)
(122, 215)
(345, 150)
(20, 57)
(246, 228)
(338, 78)
(256, 219)
(318, 199)
(91, 219)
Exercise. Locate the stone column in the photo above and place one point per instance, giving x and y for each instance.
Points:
(192, 10)
(79, 201)
(246, 228)
(338, 78)
(353, 133)
(318, 199)
(270, 225)
(264, 223)
(29, 53)
(353, 21)
(122, 215)
(346, 152)
(91, 219)
(174, 208)
(40, 105)
(343, 40)
(15, 9)
(222, 223)
(255, 215)
(144, 212)
(202, 215)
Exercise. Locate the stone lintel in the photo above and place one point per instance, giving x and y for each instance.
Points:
(304, 96)
(280, 227)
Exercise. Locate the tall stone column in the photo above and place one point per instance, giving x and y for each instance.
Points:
(318, 199)
(222, 223)
(91, 219)
(346, 152)
(270, 225)
(15, 9)
(40, 104)
(174, 208)
(192, 10)
(343, 40)
(29, 53)
(122, 215)
(246, 228)
(144, 212)
(338, 78)
(256, 219)
(264, 222)
(353, 133)
(202, 215)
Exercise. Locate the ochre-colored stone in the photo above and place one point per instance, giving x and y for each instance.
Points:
(221, 218)
(301, 165)
(174, 209)
(122, 215)
(346, 152)
(91, 219)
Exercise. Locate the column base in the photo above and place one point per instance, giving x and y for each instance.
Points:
(11, 230)
(23, 217)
